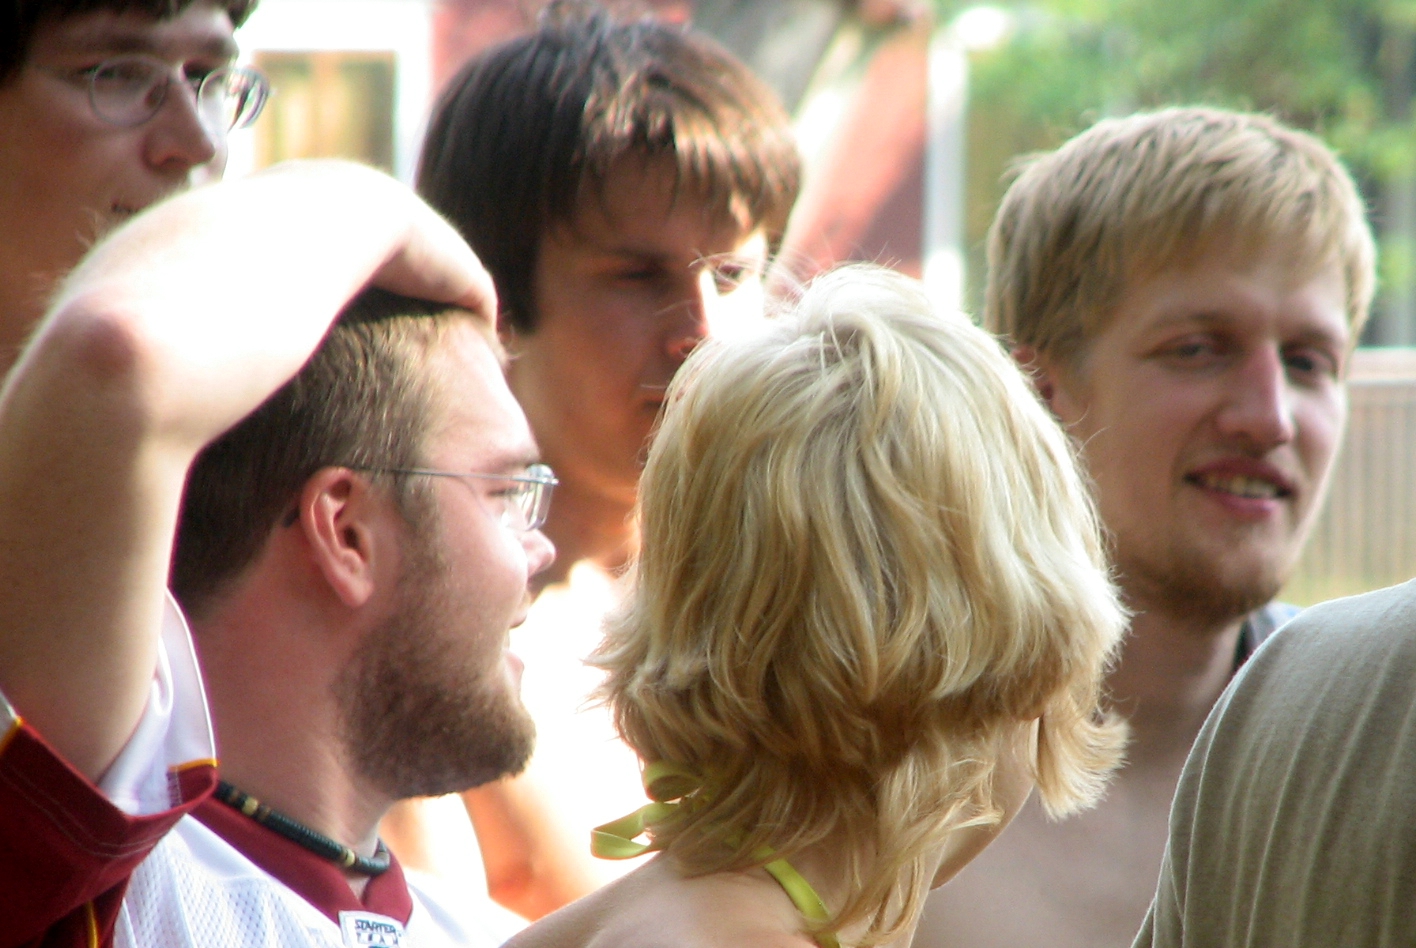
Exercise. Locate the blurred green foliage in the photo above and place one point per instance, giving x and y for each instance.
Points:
(1345, 69)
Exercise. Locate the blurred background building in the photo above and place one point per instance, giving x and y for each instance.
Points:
(909, 113)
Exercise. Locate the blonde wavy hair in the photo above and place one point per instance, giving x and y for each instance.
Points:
(867, 557)
(1133, 196)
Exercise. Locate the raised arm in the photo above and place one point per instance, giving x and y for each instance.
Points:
(170, 331)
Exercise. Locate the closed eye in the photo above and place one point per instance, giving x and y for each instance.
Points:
(731, 271)
(1192, 348)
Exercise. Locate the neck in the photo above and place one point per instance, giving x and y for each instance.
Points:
(1172, 670)
(269, 677)
(823, 867)
(588, 524)
(22, 299)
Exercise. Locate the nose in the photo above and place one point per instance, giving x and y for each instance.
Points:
(692, 316)
(1259, 405)
(540, 552)
(178, 140)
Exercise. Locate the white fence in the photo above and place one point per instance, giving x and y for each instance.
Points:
(1366, 536)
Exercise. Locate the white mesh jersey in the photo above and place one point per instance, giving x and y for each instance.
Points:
(193, 888)
(196, 889)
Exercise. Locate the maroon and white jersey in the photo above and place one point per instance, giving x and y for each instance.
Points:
(145, 859)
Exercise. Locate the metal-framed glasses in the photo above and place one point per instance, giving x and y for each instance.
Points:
(526, 498)
(129, 90)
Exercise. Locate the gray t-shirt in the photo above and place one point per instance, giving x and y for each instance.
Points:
(1294, 822)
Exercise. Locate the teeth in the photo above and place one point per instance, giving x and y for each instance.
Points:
(1243, 486)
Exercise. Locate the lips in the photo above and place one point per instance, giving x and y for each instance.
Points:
(653, 393)
(1251, 487)
(1245, 479)
(652, 398)
(122, 210)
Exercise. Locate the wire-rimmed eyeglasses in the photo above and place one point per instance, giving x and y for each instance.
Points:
(527, 496)
(129, 90)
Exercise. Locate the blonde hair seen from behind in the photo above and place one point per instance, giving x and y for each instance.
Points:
(867, 558)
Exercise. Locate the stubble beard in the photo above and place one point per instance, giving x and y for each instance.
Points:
(420, 718)
(1189, 585)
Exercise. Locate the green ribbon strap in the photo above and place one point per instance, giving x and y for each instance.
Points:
(803, 896)
(668, 784)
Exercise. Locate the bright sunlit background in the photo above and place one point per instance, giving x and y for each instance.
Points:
(909, 113)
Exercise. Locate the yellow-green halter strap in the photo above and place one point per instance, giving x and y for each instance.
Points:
(664, 783)
(667, 784)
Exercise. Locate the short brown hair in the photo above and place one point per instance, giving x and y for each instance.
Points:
(1132, 196)
(20, 18)
(362, 400)
(523, 129)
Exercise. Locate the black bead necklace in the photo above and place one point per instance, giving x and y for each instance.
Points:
(301, 835)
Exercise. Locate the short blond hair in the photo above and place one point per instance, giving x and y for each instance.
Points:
(1131, 197)
(867, 558)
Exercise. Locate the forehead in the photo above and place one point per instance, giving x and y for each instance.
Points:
(201, 29)
(476, 422)
(642, 202)
(1234, 280)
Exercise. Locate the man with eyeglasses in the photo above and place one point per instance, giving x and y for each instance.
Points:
(106, 106)
(351, 535)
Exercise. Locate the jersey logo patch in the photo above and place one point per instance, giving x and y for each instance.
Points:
(367, 930)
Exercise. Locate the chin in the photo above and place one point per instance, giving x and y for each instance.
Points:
(1215, 587)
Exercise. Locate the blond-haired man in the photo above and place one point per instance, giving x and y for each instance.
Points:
(1187, 286)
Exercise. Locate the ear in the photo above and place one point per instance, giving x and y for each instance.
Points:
(1039, 368)
(340, 517)
(1061, 384)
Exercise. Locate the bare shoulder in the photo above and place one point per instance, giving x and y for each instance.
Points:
(573, 926)
(655, 907)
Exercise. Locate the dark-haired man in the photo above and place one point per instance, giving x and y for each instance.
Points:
(625, 182)
(106, 106)
(351, 555)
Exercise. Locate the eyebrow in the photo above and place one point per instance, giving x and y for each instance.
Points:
(660, 258)
(628, 250)
(117, 39)
(513, 461)
(1315, 336)
(615, 245)
(1218, 318)
(1184, 315)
